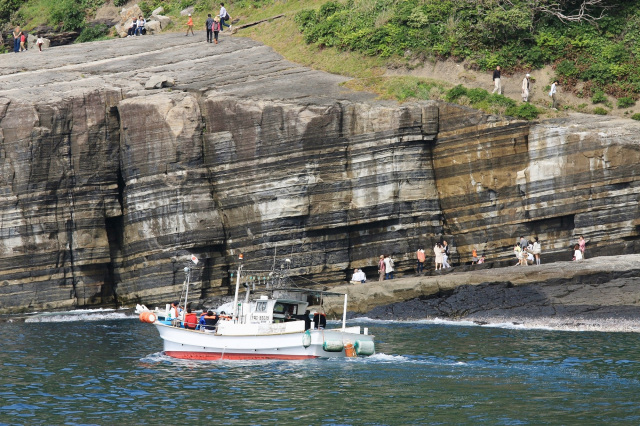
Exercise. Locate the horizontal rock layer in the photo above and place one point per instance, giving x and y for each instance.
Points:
(107, 188)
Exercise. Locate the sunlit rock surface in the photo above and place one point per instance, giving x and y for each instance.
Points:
(107, 188)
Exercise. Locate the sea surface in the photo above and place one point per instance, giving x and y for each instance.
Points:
(107, 368)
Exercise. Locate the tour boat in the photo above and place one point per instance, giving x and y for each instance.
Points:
(271, 323)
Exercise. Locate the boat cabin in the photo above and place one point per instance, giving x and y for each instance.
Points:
(268, 311)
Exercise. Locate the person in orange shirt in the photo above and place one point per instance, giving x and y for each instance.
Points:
(190, 26)
(421, 258)
(474, 256)
(190, 320)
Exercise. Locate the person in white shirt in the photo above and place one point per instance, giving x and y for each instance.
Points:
(39, 43)
(140, 25)
(525, 88)
(224, 17)
(388, 267)
(552, 93)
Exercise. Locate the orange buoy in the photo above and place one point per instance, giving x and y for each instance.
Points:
(148, 317)
(349, 350)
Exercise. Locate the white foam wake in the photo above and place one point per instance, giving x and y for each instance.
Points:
(81, 315)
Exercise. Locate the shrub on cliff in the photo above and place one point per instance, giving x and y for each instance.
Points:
(93, 32)
(626, 102)
(636, 116)
(525, 111)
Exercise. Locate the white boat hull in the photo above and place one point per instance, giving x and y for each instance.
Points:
(203, 345)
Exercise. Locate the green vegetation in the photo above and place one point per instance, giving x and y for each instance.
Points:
(517, 35)
(600, 111)
(636, 116)
(91, 33)
(598, 97)
(363, 39)
(626, 102)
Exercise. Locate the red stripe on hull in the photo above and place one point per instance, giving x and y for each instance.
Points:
(215, 356)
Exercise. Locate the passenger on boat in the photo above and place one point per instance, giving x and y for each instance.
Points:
(190, 320)
(210, 320)
(201, 321)
(319, 320)
(174, 314)
(307, 320)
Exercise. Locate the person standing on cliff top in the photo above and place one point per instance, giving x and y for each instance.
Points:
(421, 258)
(224, 17)
(216, 28)
(208, 25)
(381, 268)
(190, 26)
(525, 88)
(496, 81)
(17, 34)
(553, 95)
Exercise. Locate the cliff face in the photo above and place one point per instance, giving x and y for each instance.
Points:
(107, 188)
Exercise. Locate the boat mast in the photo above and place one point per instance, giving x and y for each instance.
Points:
(187, 272)
(235, 298)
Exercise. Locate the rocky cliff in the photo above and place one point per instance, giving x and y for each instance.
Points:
(107, 187)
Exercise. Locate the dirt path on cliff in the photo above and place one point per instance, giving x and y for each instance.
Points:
(455, 73)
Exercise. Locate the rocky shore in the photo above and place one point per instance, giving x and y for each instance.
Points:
(600, 293)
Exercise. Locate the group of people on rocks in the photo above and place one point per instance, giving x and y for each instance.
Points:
(214, 26)
(20, 41)
(385, 267)
(137, 27)
(527, 253)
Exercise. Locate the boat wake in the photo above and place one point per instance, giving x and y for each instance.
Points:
(609, 325)
(81, 315)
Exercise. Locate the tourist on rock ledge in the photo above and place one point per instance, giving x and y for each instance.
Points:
(582, 243)
(388, 267)
(474, 256)
(577, 253)
(421, 258)
(190, 26)
(438, 251)
(537, 249)
(381, 268)
(445, 255)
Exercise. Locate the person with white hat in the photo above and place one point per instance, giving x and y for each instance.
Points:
(525, 88)
(190, 25)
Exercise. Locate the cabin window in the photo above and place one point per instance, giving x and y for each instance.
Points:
(261, 307)
(278, 308)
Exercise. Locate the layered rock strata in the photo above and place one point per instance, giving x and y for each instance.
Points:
(107, 188)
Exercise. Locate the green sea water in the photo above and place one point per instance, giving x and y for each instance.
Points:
(111, 371)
